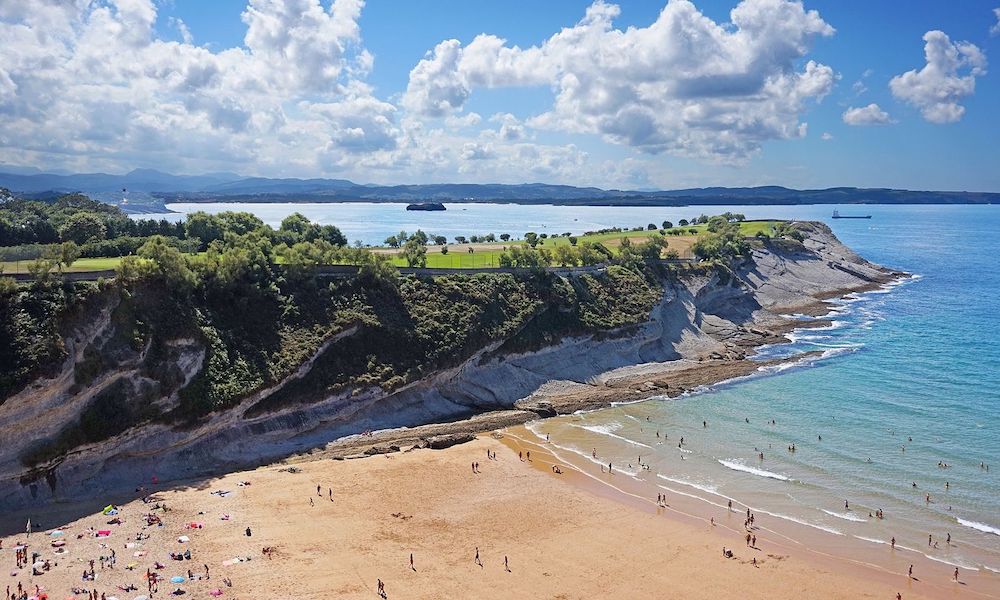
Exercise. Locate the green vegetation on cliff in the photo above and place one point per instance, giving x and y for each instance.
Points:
(178, 336)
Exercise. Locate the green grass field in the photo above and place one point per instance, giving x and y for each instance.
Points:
(485, 255)
(80, 265)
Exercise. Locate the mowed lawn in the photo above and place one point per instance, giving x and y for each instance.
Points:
(79, 265)
(483, 254)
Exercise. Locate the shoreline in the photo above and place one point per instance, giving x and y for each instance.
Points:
(777, 537)
(370, 516)
(633, 383)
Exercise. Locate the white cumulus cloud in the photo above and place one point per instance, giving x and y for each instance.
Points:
(89, 85)
(948, 77)
(995, 29)
(685, 84)
(866, 115)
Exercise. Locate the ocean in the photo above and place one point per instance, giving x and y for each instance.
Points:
(908, 379)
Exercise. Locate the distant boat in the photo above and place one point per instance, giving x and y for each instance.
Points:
(837, 215)
(426, 206)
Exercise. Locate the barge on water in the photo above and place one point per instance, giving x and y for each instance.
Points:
(837, 215)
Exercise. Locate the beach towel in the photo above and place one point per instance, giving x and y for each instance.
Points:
(103, 533)
(183, 539)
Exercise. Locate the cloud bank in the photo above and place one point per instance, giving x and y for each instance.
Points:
(90, 84)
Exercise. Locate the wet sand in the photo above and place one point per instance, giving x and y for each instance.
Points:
(564, 536)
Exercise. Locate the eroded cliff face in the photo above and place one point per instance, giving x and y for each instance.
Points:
(698, 316)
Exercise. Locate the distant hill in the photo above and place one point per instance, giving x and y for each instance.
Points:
(149, 189)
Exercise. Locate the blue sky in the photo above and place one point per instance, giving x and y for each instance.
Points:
(348, 101)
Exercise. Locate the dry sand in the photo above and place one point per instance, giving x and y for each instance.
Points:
(561, 540)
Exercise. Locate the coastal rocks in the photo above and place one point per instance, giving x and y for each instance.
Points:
(440, 442)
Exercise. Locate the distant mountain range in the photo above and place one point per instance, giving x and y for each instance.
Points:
(147, 190)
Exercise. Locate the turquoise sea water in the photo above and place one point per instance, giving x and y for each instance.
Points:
(914, 366)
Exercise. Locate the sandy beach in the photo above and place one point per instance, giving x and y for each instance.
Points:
(561, 536)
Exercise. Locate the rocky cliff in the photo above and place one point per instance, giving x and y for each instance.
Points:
(701, 315)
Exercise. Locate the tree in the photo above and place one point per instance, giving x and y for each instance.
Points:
(531, 238)
(788, 231)
(375, 269)
(444, 250)
(572, 240)
(392, 241)
(651, 227)
(566, 256)
(414, 253)
(683, 222)
(725, 243)
(505, 237)
(167, 262)
(332, 234)
(652, 248)
(489, 237)
(83, 227)
(240, 223)
(459, 239)
(717, 223)
(440, 240)
(68, 253)
(593, 254)
(205, 227)
(421, 237)
(667, 224)
(526, 258)
(474, 239)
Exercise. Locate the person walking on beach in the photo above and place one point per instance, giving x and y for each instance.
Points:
(381, 588)
(411, 562)
(911, 572)
(956, 573)
(892, 542)
(506, 566)
(478, 562)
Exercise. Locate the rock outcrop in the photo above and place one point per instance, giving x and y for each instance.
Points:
(714, 318)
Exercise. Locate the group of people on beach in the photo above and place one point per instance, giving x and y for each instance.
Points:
(101, 566)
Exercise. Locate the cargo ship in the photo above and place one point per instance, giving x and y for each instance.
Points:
(837, 215)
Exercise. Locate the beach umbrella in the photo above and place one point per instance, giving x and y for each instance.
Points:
(177, 579)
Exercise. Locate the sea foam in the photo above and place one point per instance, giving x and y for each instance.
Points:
(980, 526)
(738, 466)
